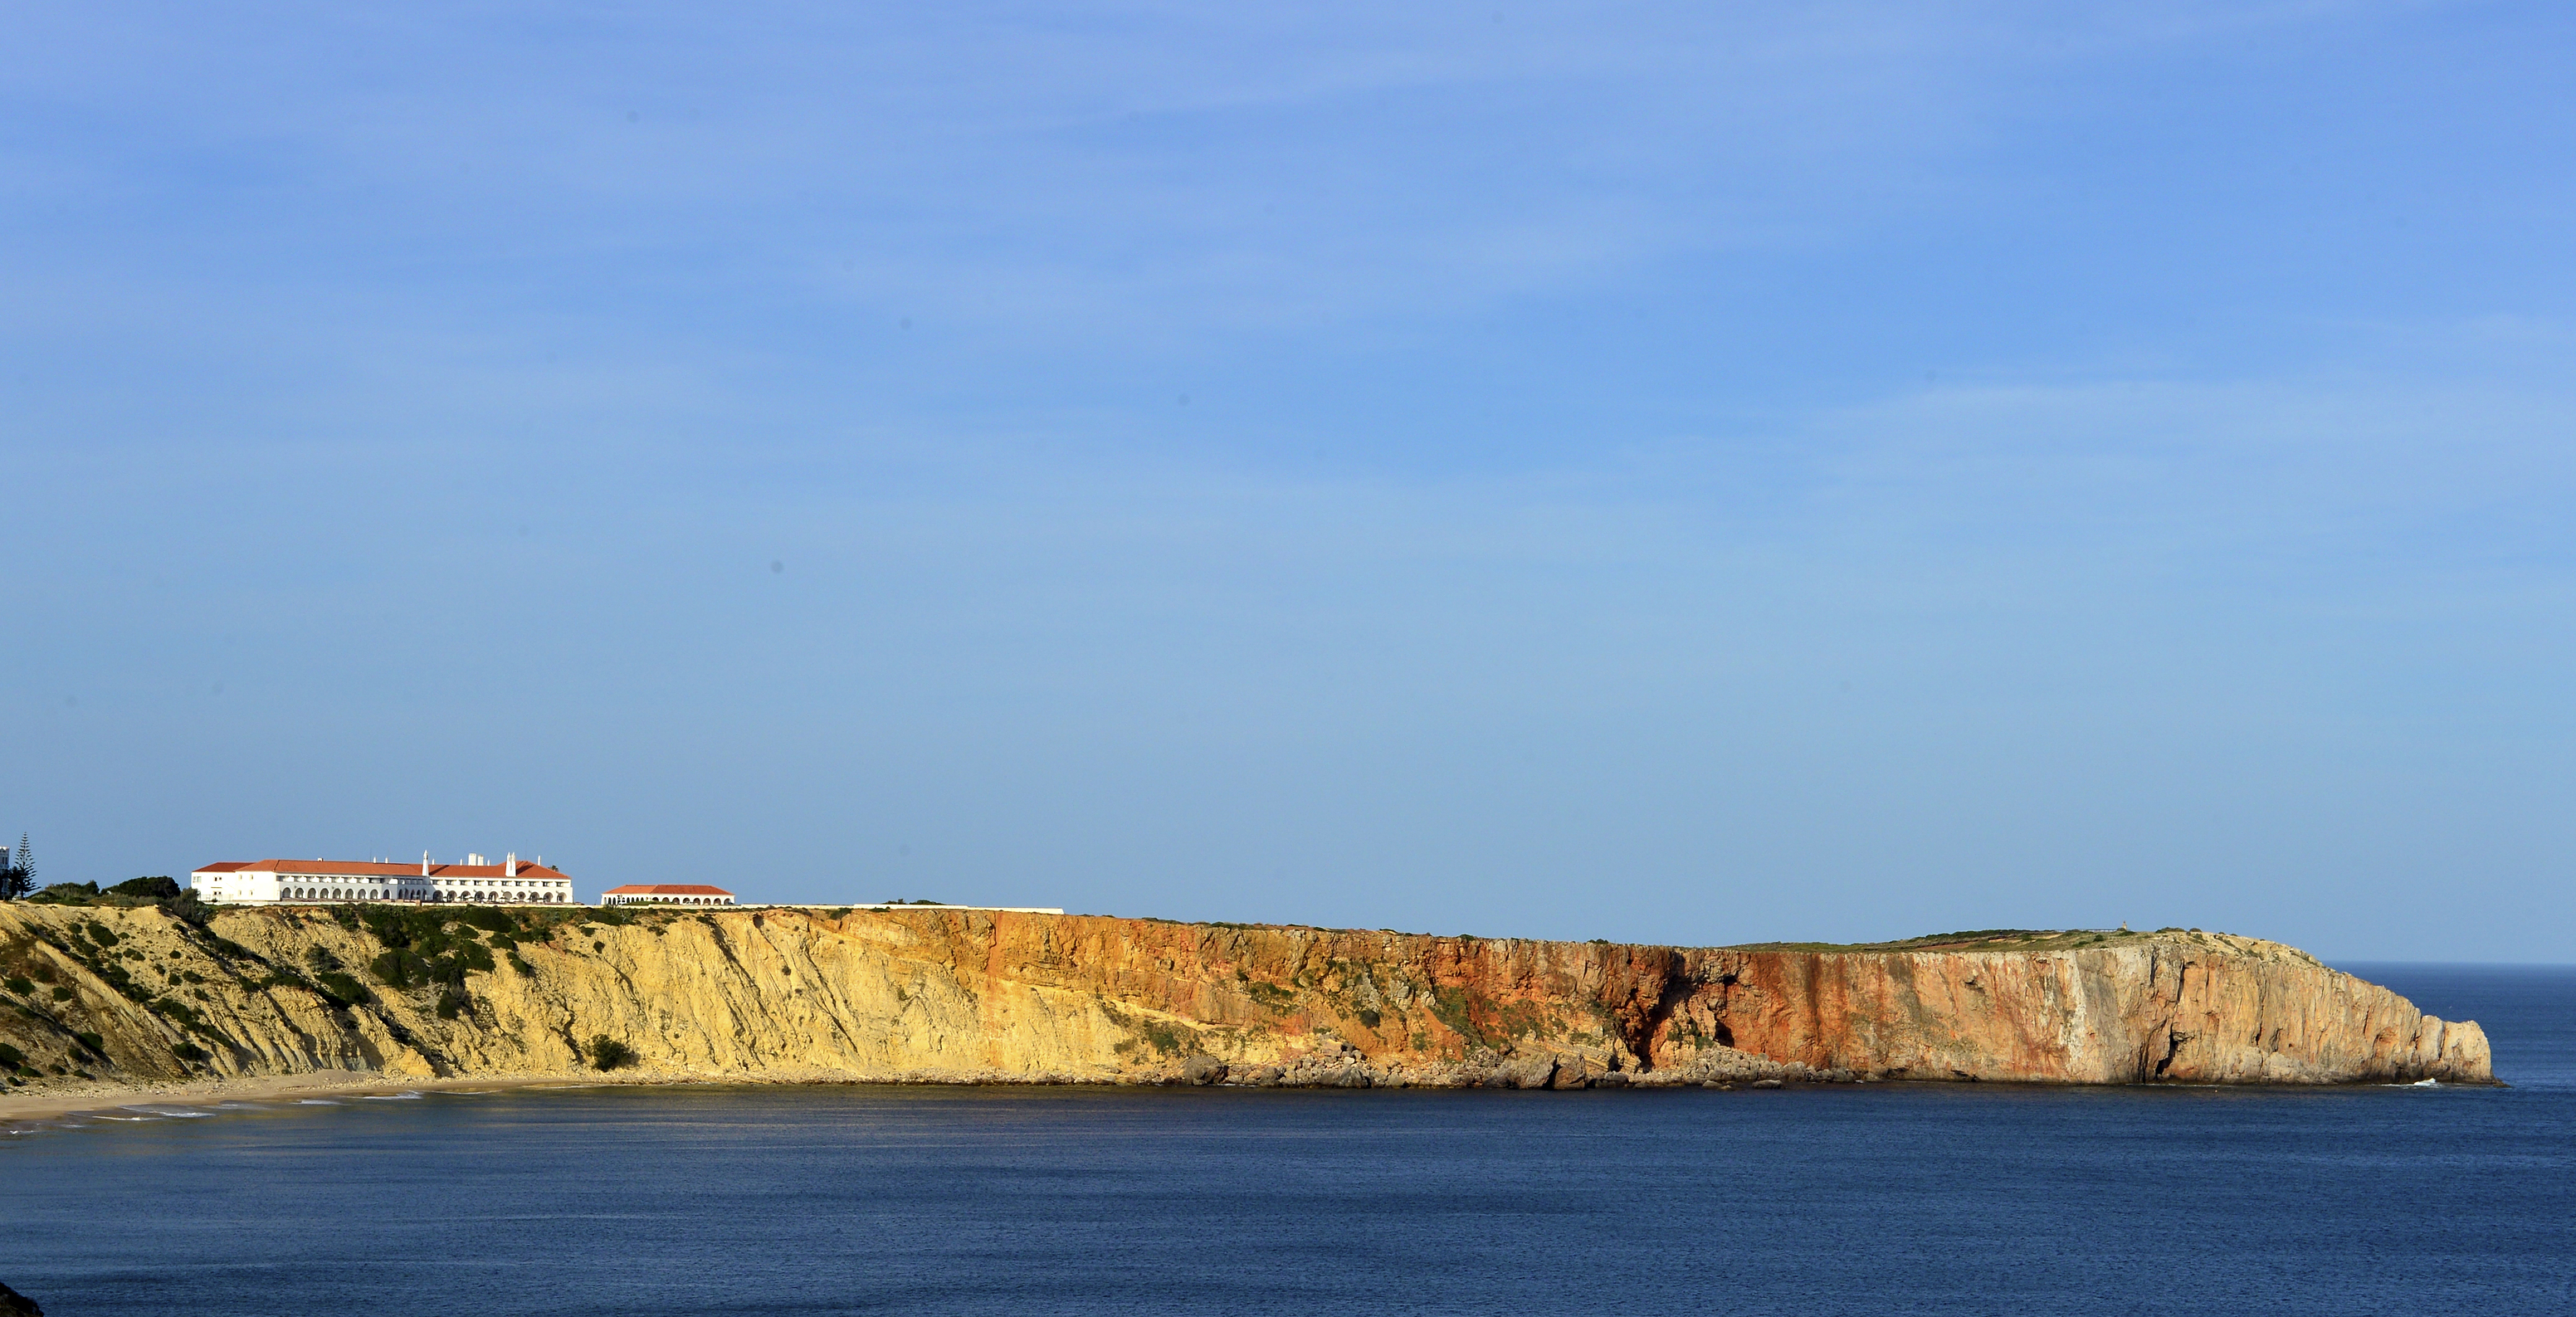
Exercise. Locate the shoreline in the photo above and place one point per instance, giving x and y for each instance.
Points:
(21, 1108)
(24, 1106)
(49, 1106)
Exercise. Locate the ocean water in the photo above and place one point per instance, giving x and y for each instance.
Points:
(1883, 1199)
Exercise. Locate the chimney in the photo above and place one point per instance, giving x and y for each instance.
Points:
(424, 864)
(510, 865)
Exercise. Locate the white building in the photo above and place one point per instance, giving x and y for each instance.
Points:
(275, 882)
(666, 894)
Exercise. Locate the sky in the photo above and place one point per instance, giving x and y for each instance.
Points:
(1693, 474)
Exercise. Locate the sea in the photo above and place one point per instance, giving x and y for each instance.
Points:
(1875, 1199)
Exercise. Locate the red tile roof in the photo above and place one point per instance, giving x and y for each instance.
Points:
(366, 869)
(666, 889)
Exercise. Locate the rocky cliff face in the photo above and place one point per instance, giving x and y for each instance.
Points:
(131, 995)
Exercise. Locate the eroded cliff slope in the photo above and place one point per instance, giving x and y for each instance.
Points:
(119, 996)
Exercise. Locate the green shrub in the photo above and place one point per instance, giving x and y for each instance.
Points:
(190, 1052)
(607, 1053)
(41, 972)
(100, 933)
(484, 917)
(188, 908)
(451, 1004)
(1369, 1017)
(11, 1058)
(400, 968)
(20, 986)
(437, 946)
(150, 889)
(62, 994)
(339, 988)
(96, 1044)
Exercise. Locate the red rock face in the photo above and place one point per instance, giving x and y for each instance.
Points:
(2173, 1007)
(2180, 1009)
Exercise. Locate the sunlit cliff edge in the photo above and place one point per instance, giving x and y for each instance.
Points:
(105, 999)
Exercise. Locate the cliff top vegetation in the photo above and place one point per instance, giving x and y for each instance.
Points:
(2040, 940)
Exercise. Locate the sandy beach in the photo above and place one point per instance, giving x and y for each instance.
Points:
(24, 1106)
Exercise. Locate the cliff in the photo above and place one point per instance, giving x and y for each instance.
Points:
(117, 997)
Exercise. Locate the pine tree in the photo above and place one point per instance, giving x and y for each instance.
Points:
(18, 876)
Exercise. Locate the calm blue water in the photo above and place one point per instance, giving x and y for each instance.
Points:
(1883, 1199)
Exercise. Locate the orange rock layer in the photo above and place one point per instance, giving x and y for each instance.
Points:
(2183, 1007)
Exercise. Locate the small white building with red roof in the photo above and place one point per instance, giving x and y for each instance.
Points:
(666, 894)
(276, 882)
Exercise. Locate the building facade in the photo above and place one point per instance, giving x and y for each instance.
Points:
(287, 882)
(666, 894)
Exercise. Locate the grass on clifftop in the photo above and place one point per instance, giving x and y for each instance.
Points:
(1996, 939)
(1981, 939)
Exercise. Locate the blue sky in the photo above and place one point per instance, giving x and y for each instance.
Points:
(1670, 473)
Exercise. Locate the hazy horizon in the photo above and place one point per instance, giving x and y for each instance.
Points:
(1545, 471)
